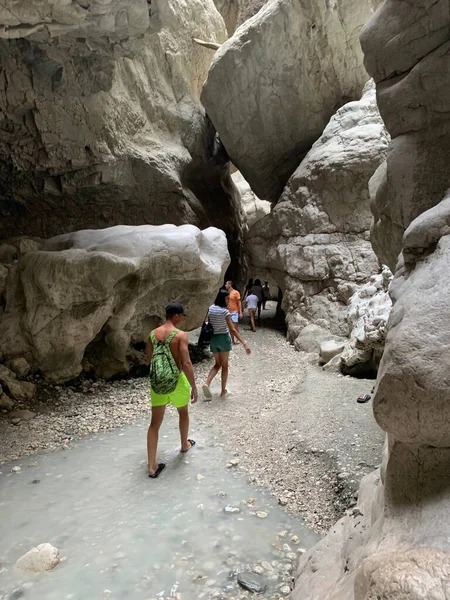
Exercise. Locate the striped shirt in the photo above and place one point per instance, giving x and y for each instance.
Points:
(217, 317)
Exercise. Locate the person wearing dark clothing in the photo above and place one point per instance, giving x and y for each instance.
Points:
(266, 294)
(258, 291)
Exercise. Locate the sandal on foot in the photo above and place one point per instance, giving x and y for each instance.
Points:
(206, 392)
(192, 442)
(158, 471)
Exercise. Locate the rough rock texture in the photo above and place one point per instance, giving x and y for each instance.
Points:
(274, 85)
(82, 300)
(403, 552)
(407, 53)
(101, 120)
(235, 12)
(367, 316)
(254, 208)
(316, 240)
(43, 558)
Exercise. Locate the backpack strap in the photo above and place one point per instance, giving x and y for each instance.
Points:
(167, 341)
(170, 337)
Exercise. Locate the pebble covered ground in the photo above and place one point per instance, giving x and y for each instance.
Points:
(292, 427)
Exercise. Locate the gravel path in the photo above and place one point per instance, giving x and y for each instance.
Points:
(295, 428)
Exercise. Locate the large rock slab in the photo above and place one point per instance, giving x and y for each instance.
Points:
(88, 295)
(316, 242)
(406, 50)
(273, 86)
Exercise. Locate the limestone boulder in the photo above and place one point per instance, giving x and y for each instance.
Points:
(315, 242)
(235, 12)
(330, 349)
(406, 49)
(89, 295)
(273, 86)
(44, 557)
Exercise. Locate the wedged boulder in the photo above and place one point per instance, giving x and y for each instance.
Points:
(90, 294)
(405, 45)
(20, 366)
(6, 403)
(315, 241)
(273, 86)
(254, 208)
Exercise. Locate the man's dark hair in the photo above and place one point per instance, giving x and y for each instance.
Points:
(221, 299)
(257, 282)
(231, 282)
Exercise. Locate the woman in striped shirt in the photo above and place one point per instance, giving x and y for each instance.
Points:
(220, 345)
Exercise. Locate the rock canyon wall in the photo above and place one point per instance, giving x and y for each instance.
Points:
(316, 241)
(101, 122)
(395, 545)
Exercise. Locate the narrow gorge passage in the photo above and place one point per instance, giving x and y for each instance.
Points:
(125, 536)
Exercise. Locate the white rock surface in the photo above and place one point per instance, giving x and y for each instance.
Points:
(44, 557)
(367, 316)
(316, 242)
(329, 349)
(106, 289)
(254, 208)
(274, 85)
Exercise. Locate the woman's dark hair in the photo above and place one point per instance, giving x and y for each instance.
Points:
(221, 299)
(257, 282)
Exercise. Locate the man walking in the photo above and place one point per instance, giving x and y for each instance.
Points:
(171, 380)
(235, 307)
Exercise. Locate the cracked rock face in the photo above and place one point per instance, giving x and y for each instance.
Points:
(273, 86)
(101, 122)
(63, 317)
(316, 240)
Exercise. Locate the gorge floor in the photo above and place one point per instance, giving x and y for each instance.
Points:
(296, 432)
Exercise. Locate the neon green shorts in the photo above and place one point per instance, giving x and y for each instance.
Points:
(179, 397)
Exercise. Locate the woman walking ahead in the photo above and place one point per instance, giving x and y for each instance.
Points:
(220, 345)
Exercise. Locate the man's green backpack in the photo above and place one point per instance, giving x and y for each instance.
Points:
(164, 372)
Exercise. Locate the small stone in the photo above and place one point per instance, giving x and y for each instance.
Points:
(229, 510)
(291, 555)
(261, 514)
(16, 469)
(285, 589)
(252, 582)
(267, 566)
(43, 558)
(295, 539)
(200, 477)
(286, 548)
(301, 550)
(251, 501)
(6, 403)
(283, 501)
(15, 421)
(23, 415)
(20, 366)
(258, 569)
(233, 463)
(33, 464)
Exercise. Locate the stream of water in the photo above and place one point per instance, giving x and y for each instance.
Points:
(124, 536)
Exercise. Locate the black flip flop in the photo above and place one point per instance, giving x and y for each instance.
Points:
(191, 446)
(158, 471)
